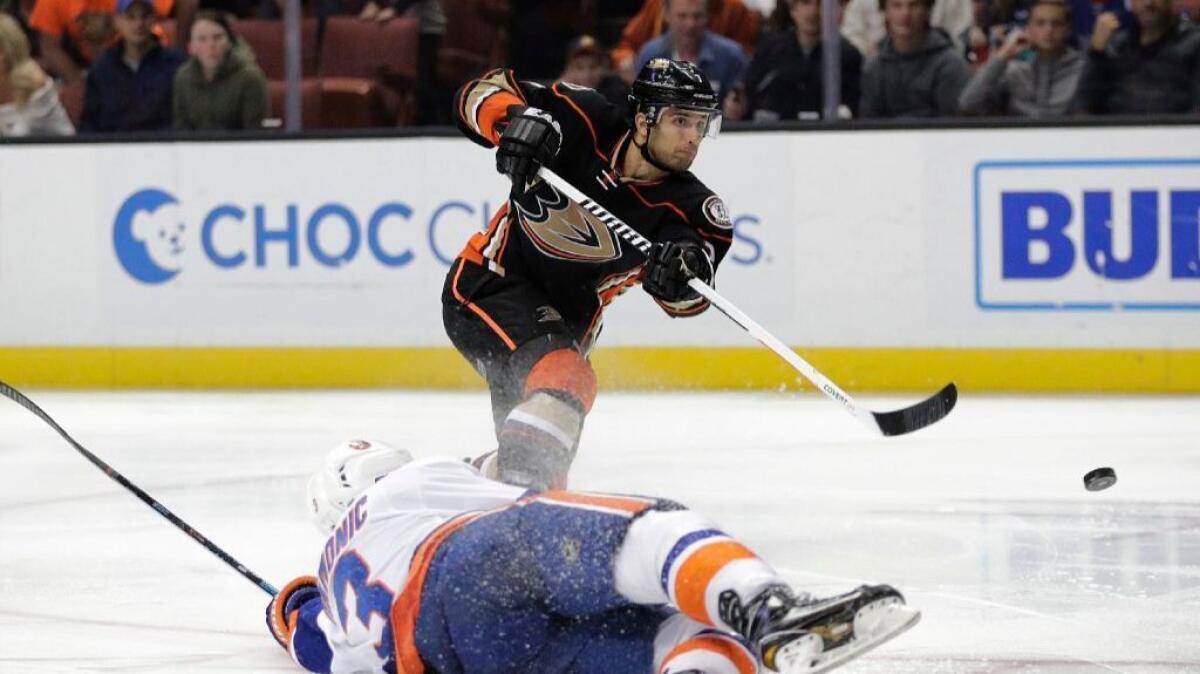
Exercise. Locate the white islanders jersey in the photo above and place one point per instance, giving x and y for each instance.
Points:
(365, 563)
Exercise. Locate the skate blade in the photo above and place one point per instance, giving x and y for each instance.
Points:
(874, 624)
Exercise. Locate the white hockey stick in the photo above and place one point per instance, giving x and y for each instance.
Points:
(896, 422)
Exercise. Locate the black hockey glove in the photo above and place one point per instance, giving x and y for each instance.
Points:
(671, 265)
(529, 142)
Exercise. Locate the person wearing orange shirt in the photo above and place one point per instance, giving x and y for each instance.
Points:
(730, 18)
(75, 32)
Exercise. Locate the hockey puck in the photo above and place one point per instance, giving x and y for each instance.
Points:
(1100, 479)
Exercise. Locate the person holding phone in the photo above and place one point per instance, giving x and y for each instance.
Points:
(1033, 73)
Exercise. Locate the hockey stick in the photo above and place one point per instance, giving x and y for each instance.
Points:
(19, 398)
(896, 422)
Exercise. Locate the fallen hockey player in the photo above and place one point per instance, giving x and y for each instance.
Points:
(431, 567)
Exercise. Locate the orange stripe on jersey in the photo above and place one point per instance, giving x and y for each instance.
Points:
(492, 112)
(698, 570)
(586, 120)
(407, 604)
(475, 309)
(633, 506)
(664, 204)
(718, 237)
(723, 646)
(479, 241)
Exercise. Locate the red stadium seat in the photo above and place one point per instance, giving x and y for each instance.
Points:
(266, 38)
(170, 34)
(384, 55)
(353, 103)
(310, 102)
(71, 95)
(476, 39)
(368, 50)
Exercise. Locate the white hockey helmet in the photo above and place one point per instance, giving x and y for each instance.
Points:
(349, 469)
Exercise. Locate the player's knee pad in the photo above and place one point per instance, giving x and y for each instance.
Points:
(684, 645)
(564, 371)
(537, 442)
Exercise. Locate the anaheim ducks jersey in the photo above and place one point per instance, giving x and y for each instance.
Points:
(564, 250)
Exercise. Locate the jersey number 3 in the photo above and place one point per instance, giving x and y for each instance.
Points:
(370, 598)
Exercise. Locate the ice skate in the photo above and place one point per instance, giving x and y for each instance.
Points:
(801, 635)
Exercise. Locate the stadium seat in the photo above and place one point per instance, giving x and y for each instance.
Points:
(369, 50)
(310, 102)
(266, 38)
(382, 55)
(353, 103)
(71, 95)
(476, 39)
(169, 32)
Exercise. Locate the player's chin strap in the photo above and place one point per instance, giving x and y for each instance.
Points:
(895, 422)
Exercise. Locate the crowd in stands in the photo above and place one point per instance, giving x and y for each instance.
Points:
(218, 65)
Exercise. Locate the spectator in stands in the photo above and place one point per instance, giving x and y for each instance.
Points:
(1033, 73)
(918, 72)
(29, 104)
(1152, 68)
(1085, 13)
(75, 32)
(129, 86)
(689, 39)
(730, 18)
(785, 78)
(218, 88)
(16, 9)
(863, 23)
(588, 66)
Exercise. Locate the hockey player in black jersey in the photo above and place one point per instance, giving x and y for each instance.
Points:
(524, 301)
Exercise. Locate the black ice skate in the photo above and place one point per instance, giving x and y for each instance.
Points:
(801, 635)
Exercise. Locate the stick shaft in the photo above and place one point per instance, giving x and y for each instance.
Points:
(20, 398)
(628, 234)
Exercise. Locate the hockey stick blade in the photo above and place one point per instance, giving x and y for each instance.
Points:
(894, 423)
(918, 416)
(20, 399)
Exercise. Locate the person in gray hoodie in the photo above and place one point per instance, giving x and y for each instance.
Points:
(917, 72)
(1034, 73)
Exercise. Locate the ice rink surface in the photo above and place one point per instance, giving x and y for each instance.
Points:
(982, 520)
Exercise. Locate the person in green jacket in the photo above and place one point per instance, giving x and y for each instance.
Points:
(220, 87)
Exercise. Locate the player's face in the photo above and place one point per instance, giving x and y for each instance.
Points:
(676, 138)
(1048, 27)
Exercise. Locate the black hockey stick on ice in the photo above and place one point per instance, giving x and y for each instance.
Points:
(20, 399)
(897, 422)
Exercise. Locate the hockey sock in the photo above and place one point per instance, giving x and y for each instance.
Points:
(680, 558)
(537, 442)
(539, 436)
(685, 646)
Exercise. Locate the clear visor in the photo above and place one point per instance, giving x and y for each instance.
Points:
(706, 122)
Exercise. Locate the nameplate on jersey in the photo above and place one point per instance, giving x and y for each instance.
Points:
(561, 228)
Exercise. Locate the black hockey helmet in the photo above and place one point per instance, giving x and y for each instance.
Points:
(664, 83)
